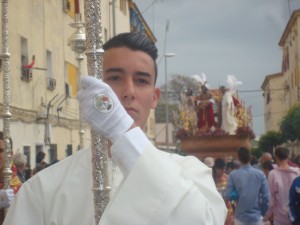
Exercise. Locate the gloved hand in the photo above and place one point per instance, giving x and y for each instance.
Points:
(101, 108)
(6, 197)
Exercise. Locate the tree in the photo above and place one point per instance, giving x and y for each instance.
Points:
(290, 124)
(176, 87)
(160, 112)
(180, 84)
(269, 141)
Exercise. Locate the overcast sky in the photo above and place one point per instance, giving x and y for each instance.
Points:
(220, 37)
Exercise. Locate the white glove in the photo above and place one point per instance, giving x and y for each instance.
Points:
(6, 197)
(101, 108)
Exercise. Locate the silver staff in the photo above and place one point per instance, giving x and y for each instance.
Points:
(94, 54)
(5, 56)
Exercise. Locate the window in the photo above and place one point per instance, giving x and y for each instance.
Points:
(26, 150)
(49, 63)
(105, 35)
(24, 51)
(53, 152)
(123, 6)
(268, 97)
(69, 150)
(38, 148)
(69, 7)
(72, 79)
(26, 73)
(67, 90)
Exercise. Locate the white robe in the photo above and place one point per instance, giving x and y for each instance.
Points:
(161, 188)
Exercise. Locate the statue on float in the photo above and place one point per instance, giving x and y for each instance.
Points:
(229, 105)
(187, 111)
(214, 112)
(204, 105)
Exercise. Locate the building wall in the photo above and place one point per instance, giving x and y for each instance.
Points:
(273, 101)
(290, 44)
(46, 28)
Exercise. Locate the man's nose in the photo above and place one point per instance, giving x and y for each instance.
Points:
(128, 90)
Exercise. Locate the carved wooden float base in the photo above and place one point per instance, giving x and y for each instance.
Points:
(225, 146)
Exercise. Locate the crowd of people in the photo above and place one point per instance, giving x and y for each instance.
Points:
(18, 167)
(265, 192)
(153, 187)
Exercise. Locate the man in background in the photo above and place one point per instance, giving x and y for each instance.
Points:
(251, 187)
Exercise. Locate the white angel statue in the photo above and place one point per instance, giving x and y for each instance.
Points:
(228, 105)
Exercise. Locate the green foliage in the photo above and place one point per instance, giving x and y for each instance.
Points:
(270, 140)
(290, 124)
(257, 152)
(179, 84)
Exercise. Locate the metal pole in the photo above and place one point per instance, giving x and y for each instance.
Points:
(167, 105)
(5, 56)
(167, 99)
(81, 130)
(94, 53)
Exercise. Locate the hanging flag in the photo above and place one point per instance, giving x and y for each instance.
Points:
(29, 66)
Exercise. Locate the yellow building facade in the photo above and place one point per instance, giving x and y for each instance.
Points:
(43, 105)
(282, 90)
(273, 100)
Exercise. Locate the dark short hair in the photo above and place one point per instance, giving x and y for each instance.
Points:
(267, 165)
(40, 157)
(134, 41)
(231, 165)
(244, 155)
(219, 163)
(282, 153)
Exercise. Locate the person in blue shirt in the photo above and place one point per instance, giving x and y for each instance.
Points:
(252, 190)
(294, 202)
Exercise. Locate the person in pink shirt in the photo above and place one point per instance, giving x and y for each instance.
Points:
(280, 180)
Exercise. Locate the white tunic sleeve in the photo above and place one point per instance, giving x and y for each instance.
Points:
(162, 188)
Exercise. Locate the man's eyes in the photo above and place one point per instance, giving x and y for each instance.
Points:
(142, 81)
(112, 78)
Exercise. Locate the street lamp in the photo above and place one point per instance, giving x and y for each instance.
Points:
(77, 44)
(167, 101)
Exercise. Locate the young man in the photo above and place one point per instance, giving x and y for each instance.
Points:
(280, 180)
(157, 188)
(252, 189)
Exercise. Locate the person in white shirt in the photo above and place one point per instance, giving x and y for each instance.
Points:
(153, 187)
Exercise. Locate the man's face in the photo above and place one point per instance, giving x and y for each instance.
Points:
(131, 74)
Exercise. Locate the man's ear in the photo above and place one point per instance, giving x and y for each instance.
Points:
(156, 96)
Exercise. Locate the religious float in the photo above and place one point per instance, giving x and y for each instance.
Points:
(214, 123)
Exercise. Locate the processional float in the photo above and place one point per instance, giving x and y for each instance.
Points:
(94, 52)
